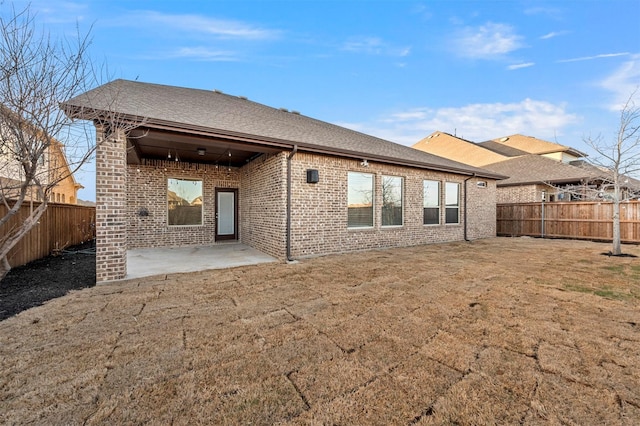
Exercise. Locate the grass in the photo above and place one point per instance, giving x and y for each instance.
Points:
(500, 331)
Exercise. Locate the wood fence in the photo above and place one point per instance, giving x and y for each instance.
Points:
(61, 226)
(577, 220)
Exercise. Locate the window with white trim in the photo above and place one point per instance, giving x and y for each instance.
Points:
(392, 200)
(452, 202)
(431, 202)
(360, 200)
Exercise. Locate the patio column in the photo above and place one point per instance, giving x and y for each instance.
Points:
(111, 204)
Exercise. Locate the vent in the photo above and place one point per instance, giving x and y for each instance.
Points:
(244, 98)
(295, 112)
(218, 91)
(504, 139)
(284, 110)
(481, 184)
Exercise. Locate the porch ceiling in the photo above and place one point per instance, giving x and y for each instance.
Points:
(159, 144)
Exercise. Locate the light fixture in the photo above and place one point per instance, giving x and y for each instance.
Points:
(229, 153)
(364, 163)
(169, 156)
(201, 151)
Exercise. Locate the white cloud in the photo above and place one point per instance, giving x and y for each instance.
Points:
(60, 13)
(374, 46)
(553, 34)
(489, 41)
(521, 65)
(204, 54)
(199, 24)
(589, 58)
(623, 82)
(551, 12)
(476, 122)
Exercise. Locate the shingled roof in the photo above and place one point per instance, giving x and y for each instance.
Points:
(213, 113)
(449, 146)
(531, 169)
(528, 144)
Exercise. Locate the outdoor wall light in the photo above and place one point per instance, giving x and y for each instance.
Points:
(364, 163)
(313, 176)
(201, 151)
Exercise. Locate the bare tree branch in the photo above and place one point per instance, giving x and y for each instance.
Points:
(40, 143)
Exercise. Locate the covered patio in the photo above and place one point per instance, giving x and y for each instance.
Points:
(146, 262)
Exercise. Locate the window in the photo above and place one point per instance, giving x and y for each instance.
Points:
(431, 202)
(184, 202)
(391, 201)
(360, 200)
(452, 202)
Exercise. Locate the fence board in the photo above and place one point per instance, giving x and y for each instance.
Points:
(61, 226)
(589, 220)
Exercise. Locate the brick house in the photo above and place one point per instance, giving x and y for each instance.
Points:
(202, 167)
(535, 168)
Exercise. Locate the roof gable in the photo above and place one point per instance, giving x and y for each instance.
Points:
(215, 113)
(529, 144)
(458, 149)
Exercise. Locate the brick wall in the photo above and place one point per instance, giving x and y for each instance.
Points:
(522, 193)
(111, 207)
(263, 204)
(319, 211)
(147, 189)
(481, 208)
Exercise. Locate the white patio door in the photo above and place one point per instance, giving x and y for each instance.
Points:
(226, 214)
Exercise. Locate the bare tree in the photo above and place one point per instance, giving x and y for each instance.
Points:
(621, 159)
(38, 73)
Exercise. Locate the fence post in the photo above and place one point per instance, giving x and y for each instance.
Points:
(544, 196)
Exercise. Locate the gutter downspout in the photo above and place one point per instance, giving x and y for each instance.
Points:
(466, 221)
(289, 197)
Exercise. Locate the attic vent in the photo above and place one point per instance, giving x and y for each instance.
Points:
(295, 112)
(243, 97)
(504, 139)
(217, 91)
(284, 110)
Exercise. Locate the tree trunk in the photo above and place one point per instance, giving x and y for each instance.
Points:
(4, 267)
(616, 249)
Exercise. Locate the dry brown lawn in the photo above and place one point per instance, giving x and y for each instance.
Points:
(500, 331)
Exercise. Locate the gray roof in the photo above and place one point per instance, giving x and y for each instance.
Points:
(215, 113)
(532, 168)
(500, 148)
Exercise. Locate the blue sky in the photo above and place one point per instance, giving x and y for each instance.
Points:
(557, 70)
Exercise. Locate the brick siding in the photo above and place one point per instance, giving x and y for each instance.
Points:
(522, 193)
(111, 206)
(319, 211)
(147, 189)
(263, 204)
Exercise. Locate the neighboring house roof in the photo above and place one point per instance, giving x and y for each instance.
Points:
(607, 175)
(528, 144)
(57, 167)
(448, 146)
(219, 115)
(502, 149)
(531, 169)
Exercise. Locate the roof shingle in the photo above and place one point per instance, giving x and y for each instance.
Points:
(214, 112)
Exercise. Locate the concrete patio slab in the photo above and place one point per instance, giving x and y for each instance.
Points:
(155, 261)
